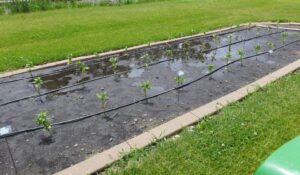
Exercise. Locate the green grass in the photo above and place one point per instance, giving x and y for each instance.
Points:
(232, 142)
(52, 35)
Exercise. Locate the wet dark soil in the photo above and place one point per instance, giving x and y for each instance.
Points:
(45, 153)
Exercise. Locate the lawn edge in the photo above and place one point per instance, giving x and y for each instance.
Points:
(102, 160)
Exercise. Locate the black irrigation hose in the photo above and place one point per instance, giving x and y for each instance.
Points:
(106, 57)
(141, 100)
(123, 72)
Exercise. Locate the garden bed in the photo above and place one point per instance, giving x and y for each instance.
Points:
(67, 95)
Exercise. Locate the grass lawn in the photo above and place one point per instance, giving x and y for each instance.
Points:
(52, 35)
(234, 141)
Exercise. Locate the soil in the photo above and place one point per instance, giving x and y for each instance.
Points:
(40, 152)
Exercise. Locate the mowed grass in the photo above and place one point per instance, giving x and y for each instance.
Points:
(234, 141)
(47, 36)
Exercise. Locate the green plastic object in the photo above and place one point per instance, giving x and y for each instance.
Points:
(284, 161)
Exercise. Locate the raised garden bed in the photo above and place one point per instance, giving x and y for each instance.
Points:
(81, 128)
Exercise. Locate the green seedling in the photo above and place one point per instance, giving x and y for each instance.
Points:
(210, 67)
(29, 66)
(249, 27)
(113, 62)
(180, 78)
(257, 31)
(186, 44)
(240, 53)
(82, 67)
(103, 97)
(228, 57)
(229, 42)
(70, 57)
(213, 57)
(169, 53)
(38, 83)
(271, 46)
(145, 86)
(284, 35)
(146, 58)
(42, 120)
(215, 38)
(257, 49)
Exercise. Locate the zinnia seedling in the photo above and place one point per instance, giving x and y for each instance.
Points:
(228, 57)
(29, 66)
(70, 59)
(38, 82)
(215, 38)
(169, 53)
(271, 47)
(210, 67)
(284, 35)
(82, 67)
(146, 58)
(240, 53)
(257, 49)
(229, 42)
(145, 86)
(42, 120)
(103, 97)
(180, 78)
(113, 62)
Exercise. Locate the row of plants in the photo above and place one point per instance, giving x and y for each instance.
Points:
(42, 119)
(26, 6)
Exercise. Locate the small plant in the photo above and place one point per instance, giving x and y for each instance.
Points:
(210, 67)
(70, 57)
(180, 78)
(146, 58)
(38, 83)
(271, 47)
(82, 67)
(228, 56)
(169, 53)
(113, 62)
(103, 97)
(215, 38)
(257, 31)
(145, 86)
(186, 44)
(42, 120)
(257, 49)
(29, 66)
(240, 53)
(284, 35)
(229, 42)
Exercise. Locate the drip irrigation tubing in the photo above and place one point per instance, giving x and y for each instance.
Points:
(73, 67)
(119, 73)
(143, 99)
